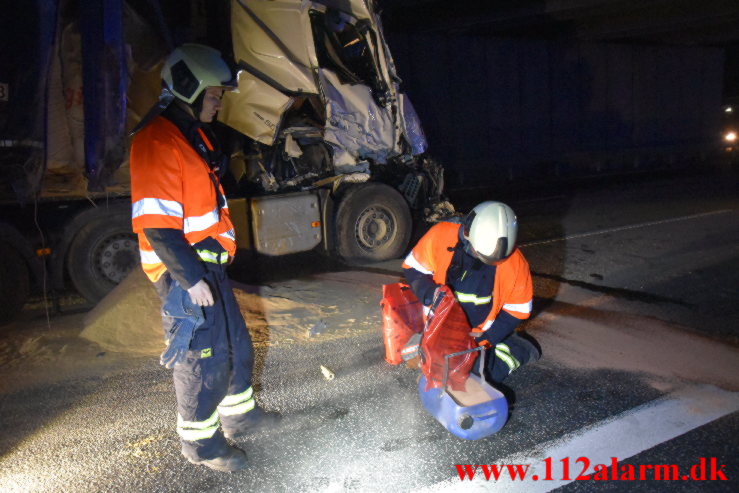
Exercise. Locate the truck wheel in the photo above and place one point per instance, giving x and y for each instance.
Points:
(373, 223)
(102, 253)
(15, 282)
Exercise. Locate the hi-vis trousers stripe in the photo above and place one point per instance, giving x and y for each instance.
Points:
(503, 352)
(242, 403)
(197, 430)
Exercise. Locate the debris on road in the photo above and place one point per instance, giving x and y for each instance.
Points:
(327, 374)
(127, 320)
(317, 329)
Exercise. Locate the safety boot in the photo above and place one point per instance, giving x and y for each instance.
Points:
(233, 460)
(254, 421)
(532, 353)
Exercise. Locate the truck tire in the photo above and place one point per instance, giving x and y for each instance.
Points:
(102, 252)
(15, 282)
(373, 223)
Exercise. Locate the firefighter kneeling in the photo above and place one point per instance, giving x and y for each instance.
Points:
(479, 262)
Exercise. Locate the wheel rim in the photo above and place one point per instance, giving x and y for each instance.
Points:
(375, 228)
(116, 257)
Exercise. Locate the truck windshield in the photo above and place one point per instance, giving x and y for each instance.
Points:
(343, 48)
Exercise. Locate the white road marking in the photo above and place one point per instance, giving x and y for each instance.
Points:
(621, 436)
(625, 228)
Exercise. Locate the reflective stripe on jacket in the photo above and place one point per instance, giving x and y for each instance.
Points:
(512, 290)
(171, 187)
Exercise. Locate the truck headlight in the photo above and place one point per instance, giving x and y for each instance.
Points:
(730, 137)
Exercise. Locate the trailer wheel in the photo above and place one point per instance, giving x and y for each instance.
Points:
(373, 223)
(102, 253)
(15, 282)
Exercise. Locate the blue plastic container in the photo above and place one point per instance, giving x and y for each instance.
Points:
(476, 413)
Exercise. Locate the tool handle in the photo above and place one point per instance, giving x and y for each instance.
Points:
(460, 353)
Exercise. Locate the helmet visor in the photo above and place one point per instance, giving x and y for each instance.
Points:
(497, 256)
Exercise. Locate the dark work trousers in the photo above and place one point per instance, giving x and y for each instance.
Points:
(219, 363)
(508, 355)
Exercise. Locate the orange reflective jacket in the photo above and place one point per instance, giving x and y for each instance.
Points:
(171, 187)
(512, 291)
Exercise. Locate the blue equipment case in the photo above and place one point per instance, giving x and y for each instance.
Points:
(479, 411)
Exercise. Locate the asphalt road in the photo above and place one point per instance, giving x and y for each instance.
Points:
(636, 286)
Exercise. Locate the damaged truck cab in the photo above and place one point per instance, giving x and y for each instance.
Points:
(325, 151)
(335, 149)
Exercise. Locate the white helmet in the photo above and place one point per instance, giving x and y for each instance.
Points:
(192, 68)
(491, 229)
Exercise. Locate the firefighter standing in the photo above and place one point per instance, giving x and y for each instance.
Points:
(186, 240)
(489, 277)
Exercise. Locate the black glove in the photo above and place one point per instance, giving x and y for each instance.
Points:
(439, 294)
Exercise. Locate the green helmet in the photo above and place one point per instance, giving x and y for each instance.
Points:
(192, 68)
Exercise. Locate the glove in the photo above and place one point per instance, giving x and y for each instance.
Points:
(179, 343)
(482, 339)
(187, 318)
(439, 294)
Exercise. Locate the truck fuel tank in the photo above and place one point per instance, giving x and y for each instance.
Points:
(280, 224)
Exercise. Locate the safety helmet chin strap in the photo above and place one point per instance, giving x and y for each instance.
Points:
(165, 99)
(467, 224)
(464, 233)
(197, 105)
